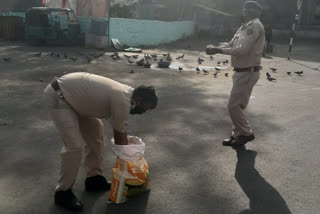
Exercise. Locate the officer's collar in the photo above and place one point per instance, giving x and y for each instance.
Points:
(249, 22)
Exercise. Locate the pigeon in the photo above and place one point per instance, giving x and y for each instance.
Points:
(147, 64)
(74, 58)
(6, 59)
(215, 74)
(198, 69)
(131, 72)
(147, 57)
(115, 56)
(130, 61)
(180, 68)
(89, 58)
(211, 57)
(38, 54)
(268, 75)
(154, 56)
(226, 61)
(226, 74)
(217, 69)
(200, 60)
(219, 62)
(289, 73)
(271, 79)
(205, 72)
(298, 72)
(98, 55)
(180, 57)
(140, 62)
(126, 56)
(168, 54)
(273, 69)
(135, 56)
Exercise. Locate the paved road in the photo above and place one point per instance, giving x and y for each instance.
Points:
(190, 171)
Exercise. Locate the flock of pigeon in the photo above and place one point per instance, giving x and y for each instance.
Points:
(274, 70)
(89, 57)
(147, 60)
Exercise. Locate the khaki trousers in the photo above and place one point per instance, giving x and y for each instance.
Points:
(77, 132)
(243, 83)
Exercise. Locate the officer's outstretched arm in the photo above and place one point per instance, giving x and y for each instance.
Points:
(120, 138)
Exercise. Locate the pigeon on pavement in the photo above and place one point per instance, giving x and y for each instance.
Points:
(298, 72)
(273, 69)
(6, 59)
(271, 79)
(205, 72)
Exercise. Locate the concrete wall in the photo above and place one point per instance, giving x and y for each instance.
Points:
(146, 32)
(134, 32)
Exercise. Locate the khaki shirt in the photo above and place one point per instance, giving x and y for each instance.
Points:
(99, 97)
(247, 45)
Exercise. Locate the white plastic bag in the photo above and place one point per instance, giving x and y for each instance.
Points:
(134, 151)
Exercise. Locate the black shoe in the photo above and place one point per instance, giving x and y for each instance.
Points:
(228, 142)
(97, 183)
(242, 140)
(68, 200)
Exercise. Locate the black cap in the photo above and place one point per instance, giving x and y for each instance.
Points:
(252, 4)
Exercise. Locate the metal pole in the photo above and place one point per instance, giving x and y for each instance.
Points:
(109, 40)
(296, 19)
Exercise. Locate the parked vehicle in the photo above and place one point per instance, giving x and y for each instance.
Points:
(53, 26)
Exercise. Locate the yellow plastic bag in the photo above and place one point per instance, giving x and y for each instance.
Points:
(130, 174)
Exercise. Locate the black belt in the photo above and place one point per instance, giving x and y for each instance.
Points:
(54, 84)
(249, 69)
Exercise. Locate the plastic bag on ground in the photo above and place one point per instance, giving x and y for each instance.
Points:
(130, 174)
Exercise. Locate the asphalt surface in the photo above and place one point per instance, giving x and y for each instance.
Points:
(191, 172)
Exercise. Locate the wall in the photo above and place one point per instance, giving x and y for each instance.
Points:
(133, 32)
(145, 32)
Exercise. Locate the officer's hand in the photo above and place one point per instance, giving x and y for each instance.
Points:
(211, 50)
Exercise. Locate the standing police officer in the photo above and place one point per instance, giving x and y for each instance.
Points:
(246, 50)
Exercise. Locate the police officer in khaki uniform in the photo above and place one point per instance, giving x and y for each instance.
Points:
(246, 50)
(77, 102)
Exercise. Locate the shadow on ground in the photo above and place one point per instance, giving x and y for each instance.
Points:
(264, 198)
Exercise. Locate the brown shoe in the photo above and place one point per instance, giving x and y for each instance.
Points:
(228, 142)
(242, 140)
